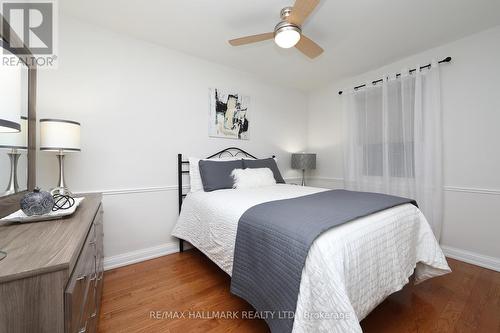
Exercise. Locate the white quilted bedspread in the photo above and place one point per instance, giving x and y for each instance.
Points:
(349, 270)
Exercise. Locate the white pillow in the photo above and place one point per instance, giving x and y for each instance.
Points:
(194, 171)
(194, 175)
(251, 178)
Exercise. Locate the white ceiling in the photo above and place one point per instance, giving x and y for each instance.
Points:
(357, 35)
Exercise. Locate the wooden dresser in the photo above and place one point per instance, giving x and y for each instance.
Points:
(51, 279)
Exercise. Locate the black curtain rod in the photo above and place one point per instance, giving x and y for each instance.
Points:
(447, 59)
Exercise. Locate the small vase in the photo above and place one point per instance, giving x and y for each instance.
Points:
(37, 203)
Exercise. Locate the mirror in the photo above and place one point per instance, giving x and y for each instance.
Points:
(17, 98)
(14, 145)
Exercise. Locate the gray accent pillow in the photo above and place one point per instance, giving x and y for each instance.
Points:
(216, 175)
(265, 163)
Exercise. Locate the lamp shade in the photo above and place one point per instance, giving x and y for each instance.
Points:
(10, 98)
(304, 161)
(16, 140)
(59, 135)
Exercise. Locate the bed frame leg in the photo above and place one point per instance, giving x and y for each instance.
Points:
(181, 245)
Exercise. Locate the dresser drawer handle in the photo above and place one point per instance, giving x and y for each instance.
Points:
(93, 315)
(80, 278)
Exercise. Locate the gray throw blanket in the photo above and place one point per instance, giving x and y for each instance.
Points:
(273, 240)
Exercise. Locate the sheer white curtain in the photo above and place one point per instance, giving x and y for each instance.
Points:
(394, 140)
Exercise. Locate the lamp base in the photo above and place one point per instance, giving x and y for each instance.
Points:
(13, 186)
(3, 255)
(61, 188)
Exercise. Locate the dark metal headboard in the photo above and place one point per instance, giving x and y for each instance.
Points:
(231, 152)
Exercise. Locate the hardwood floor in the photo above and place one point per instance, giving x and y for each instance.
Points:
(144, 297)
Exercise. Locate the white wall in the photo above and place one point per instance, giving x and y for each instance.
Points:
(140, 104)
(471, 110)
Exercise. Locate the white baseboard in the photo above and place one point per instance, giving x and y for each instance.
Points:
(472, 258)
(140, 255)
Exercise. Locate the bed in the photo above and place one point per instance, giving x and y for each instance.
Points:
(349, 269)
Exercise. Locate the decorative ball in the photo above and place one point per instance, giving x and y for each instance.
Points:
(37, 203)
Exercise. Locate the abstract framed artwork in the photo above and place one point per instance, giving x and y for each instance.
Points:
(228, 115)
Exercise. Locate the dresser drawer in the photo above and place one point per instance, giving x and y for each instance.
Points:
(79, 294)
(89, 317)
(95, 306)
(99, 235)
(96, 297)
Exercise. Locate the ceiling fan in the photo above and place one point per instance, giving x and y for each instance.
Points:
(288, 32)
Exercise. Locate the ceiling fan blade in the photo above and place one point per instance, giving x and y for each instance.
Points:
(301, 10)
(308, 47)
(251, 39)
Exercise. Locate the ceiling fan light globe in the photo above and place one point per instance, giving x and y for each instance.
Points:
(287, 36)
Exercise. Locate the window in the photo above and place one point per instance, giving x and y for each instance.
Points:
(385, 121)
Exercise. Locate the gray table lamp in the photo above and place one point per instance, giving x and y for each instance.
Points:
(61, 136)
(304, 161)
